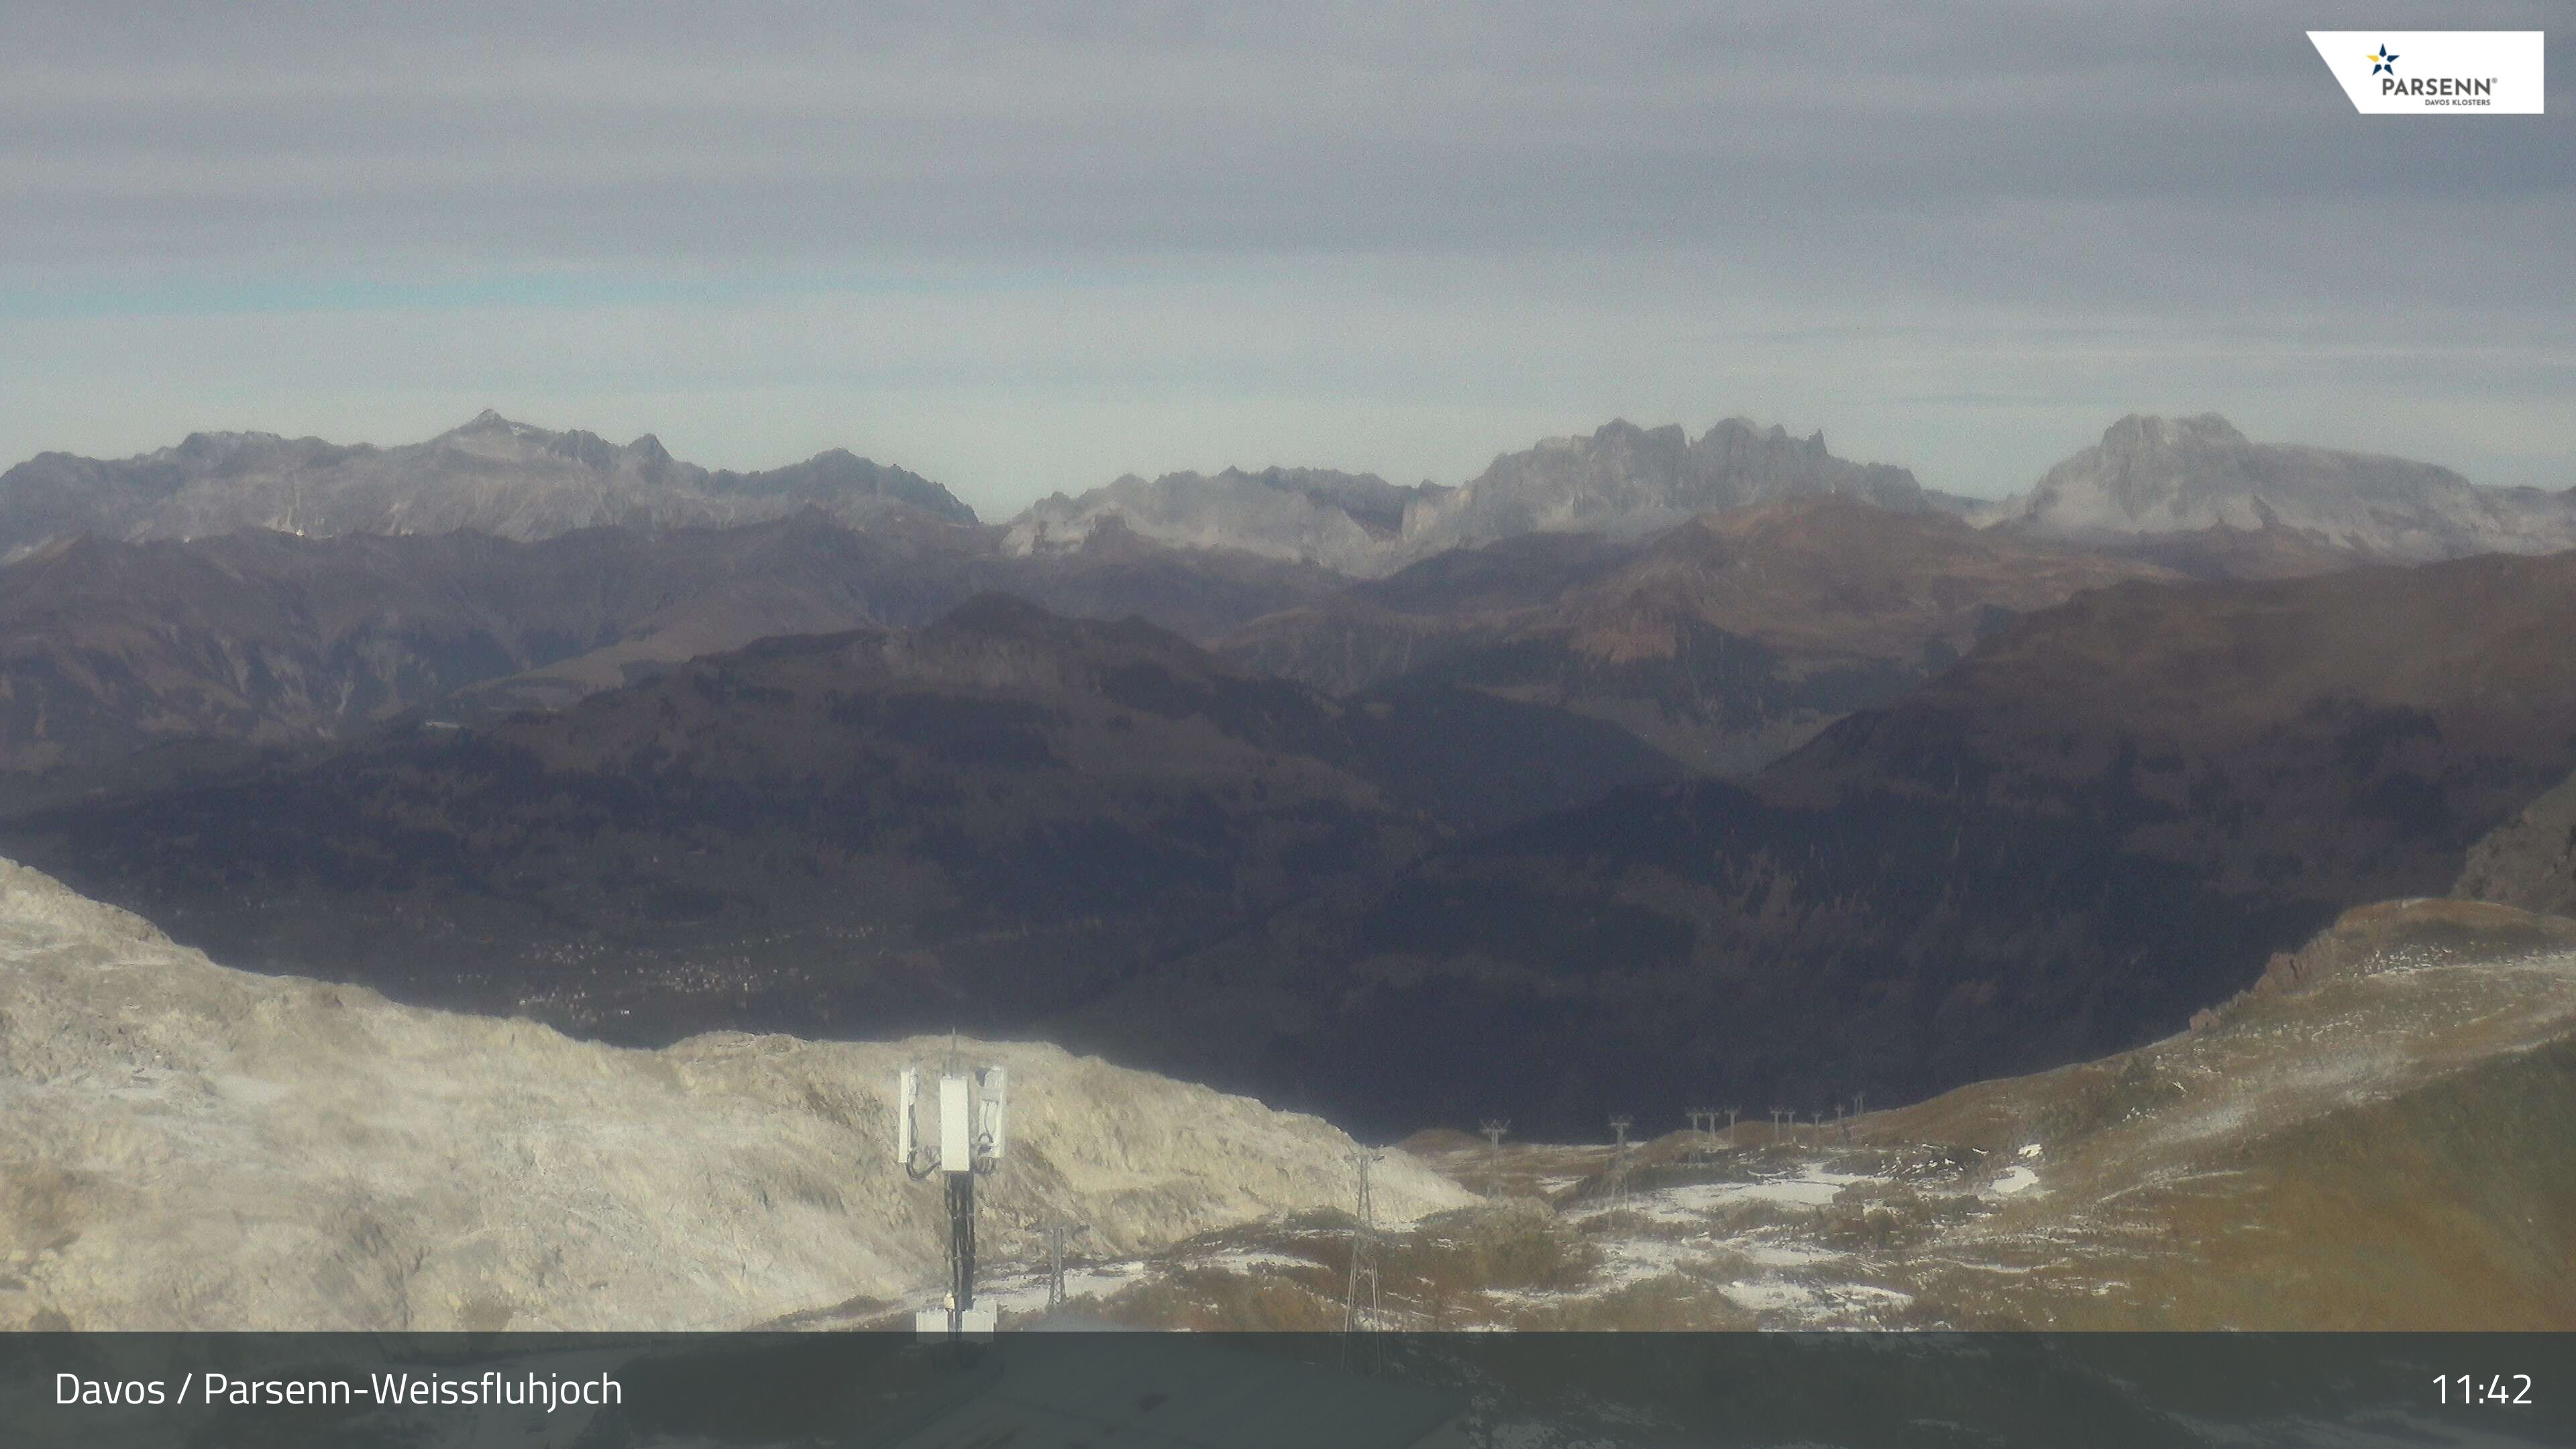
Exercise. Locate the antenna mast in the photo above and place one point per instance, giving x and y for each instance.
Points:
(1494, 1128)
(969, 1143)
(1057, 1231)
(1619, 1160)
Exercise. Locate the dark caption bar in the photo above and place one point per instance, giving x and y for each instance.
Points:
(1059, 1390)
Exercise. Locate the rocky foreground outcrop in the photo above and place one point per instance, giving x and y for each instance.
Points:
(187, 1146)
(2371, 1137)
(2530, 860)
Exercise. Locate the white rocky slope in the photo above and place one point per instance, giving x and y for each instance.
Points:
(187, 1146)
(1349, 522)
(2154, 476)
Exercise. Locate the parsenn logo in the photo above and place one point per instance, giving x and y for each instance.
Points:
(2448, 72)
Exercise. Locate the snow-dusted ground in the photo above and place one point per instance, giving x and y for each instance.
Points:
(184, 1146)
(2045, 1200)
(1700, 1238)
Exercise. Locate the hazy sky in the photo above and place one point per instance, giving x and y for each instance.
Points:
(1020, 252)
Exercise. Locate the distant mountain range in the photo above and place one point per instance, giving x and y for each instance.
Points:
(1423, 901)
(1622, 482)
(2107, 815)
(1722, 642)
(1005, 809)
(2192, 493)
(1348, 793)
(491, 475)
(1725, 641)
(1718, 599)
(110, 650)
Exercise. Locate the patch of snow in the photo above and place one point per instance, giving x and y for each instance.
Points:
(2018, 1180)
(1246, 1260)
(1810, 1302)
(1810, 1186)
(1642, 1260)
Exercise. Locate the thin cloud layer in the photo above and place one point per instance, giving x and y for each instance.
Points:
(1399, 237)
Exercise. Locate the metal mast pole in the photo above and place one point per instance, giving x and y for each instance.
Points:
(1494, 1128)
(961, 1248)
(1363, 1254)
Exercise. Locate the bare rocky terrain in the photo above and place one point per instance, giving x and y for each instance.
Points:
(1426, 902)
(2370, 1138)
(188, 1146)
(2109, 814)
(491, 475)
(1724, 641)
(2041, 799)
(985, 822)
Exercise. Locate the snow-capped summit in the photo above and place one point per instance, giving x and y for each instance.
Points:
(2153, 476)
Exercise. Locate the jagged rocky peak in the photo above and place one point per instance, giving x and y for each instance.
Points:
(2152, 476)
(1621, 480)
(489, 425)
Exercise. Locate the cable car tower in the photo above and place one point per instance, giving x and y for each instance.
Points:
(967, 1142)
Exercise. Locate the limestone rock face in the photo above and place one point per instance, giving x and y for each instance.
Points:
(1626, 481)
(1351, 523)
(184, 1146)
(2154, 477)
(491, 474)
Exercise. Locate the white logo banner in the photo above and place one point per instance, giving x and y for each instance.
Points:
(2435, 72)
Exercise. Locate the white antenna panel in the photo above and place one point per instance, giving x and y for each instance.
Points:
(907, 1091)
(956, 1124)
(992, 1087)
